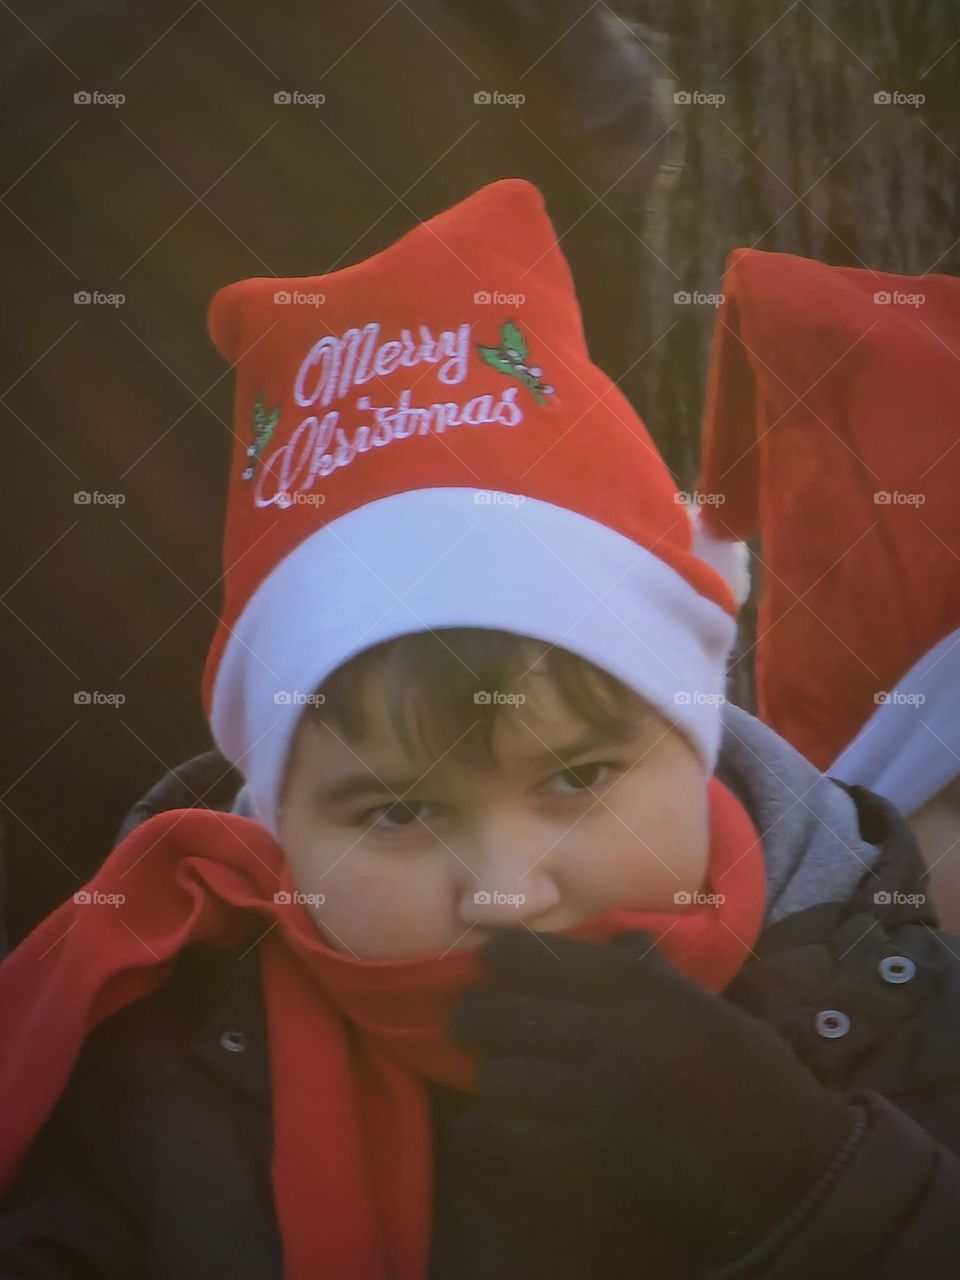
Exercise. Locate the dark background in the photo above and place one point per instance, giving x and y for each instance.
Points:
(200, 178)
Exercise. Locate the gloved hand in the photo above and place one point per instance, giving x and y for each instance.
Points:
(605, 1072)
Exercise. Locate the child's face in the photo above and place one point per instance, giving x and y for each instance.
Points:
(470, 849)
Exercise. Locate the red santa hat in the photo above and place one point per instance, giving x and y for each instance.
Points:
(422, 441)
(831, 426)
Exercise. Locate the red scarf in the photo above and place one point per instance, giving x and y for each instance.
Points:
(352, 1177)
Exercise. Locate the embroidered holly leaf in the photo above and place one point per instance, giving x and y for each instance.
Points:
(264, 424)
(511, 339)
(510, 358)
(494, 356)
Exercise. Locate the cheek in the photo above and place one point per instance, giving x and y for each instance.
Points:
(653, 844)
(379, 907)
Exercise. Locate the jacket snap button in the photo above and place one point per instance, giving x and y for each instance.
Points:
(831, 1024)
(897, 968)
(233, 1041)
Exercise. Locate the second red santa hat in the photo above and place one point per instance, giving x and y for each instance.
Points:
(422, 441)
(831, 423)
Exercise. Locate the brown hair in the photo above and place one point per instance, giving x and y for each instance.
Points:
(431, 677)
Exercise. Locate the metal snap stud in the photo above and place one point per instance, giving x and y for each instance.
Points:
(897, 969)
(831, 1024)
(233, 1042)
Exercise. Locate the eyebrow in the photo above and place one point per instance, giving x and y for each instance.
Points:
(358, 785)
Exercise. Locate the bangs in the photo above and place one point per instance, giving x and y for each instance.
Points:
(447, 687)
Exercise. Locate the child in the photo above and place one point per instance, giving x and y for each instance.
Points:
(529, 956)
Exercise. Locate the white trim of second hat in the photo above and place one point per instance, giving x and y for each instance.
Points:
(461, 557)
(909, 748)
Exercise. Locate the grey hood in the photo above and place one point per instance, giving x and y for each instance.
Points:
(807, 823)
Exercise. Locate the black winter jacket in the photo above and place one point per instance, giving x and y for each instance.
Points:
(156, 1162)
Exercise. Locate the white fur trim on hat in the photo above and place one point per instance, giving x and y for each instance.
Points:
(730, 558)
(462, 557)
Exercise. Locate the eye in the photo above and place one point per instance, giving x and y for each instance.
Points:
(395, 817)
(584, 778)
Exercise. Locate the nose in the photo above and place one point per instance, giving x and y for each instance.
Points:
(512, 885)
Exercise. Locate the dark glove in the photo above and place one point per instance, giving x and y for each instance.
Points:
(606, 1073)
